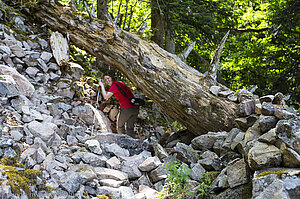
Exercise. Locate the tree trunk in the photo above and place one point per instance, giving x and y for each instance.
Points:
(157, 24)
(169, 37)
(180, 90)
(102, 12)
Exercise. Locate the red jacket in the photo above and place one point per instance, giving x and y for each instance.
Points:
(123, 101)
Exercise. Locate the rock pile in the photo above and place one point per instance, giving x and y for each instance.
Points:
(43, 127)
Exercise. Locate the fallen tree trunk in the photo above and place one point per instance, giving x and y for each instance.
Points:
(180, 90)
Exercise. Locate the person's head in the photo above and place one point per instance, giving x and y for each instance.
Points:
(108, 79)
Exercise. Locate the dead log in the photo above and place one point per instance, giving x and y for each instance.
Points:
(180, 90)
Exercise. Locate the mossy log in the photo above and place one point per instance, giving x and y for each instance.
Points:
(181, 91)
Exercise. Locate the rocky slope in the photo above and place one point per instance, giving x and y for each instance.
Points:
(48, 150)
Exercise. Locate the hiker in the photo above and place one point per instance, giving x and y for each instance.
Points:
(128, 112)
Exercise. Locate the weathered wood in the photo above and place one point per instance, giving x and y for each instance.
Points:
(187, 51)
(91, 13)
(60, 48)
(180, 90)
(214, 65)
(142, 29)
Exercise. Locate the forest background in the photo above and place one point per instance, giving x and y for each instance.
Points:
(262, 48)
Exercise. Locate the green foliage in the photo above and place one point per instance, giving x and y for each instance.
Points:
(177, 185)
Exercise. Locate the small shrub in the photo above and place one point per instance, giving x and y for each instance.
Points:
(177, 185)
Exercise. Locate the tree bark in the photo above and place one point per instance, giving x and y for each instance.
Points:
(102, 12)
(180, 90)
(157, 24)
(169, 37)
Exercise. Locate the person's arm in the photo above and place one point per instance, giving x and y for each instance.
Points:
(106, 95)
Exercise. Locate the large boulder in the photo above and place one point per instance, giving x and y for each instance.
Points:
(22, 84)
(264, 155)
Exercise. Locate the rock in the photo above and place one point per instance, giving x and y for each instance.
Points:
(93, 146)
(8, 87)
(17, 50)
(76, 70)
(116, 150)
(197, 171)
(246, 108)
(71, 181)
(210, 161)
(289, 132)
(149, 164)
(238, 173)
(160, 152)
(116, 193)
(43, 130)
(290, 158)
(207, 141)
(268, 109)
(268, 184)
(105, 173)
(215, 90)
(113, 163)
(267, 122)
(267, 98)
(158, 174)
(263, 155)
(22, 84)
(187, 152)
(269, 137)
(111, 183)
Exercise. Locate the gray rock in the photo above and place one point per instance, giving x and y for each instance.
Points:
(43, 130)
(159, 151)
(9, 152)
(247, 107)
(93, 159)
(292, 186)
(70, 181)
(263, 155)
(150, 164)
(93, 146)
(210, 161)
(160, 173)
(22, 84)
(252, 133)
(5, 50)
(269, 137)
(113, 163)
(221, 182)
(290, 158)
(116, 150)
(267, 122)
(17, 50)
(187, 152)
(197, 171)
(215, 90)
(231, 135)
(32, 71)
(105, 173)
(238, 173)
(8, 86)
(111, 183)
(267, 98)
(207, 141)
(289, 132)
(17, 136)
(46, 57)
(268, 109)
(117, 193)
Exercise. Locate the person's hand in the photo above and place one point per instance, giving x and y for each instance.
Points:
(101, 83)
